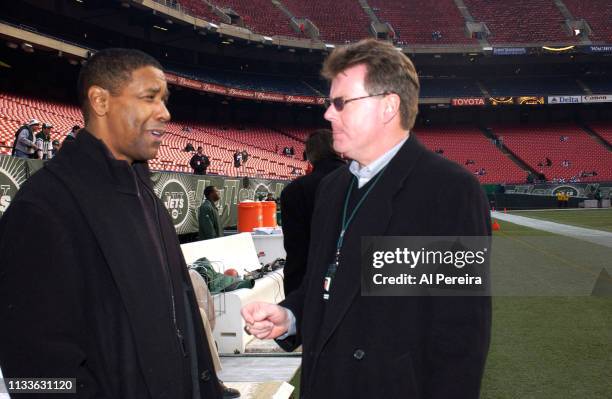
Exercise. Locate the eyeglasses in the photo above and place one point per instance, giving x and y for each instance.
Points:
(339, 102)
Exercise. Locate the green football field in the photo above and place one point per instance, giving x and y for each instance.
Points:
(550, 337)
(551, 346)
(600, 219)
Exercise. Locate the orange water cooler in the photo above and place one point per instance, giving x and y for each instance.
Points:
(269, 213)
(250, 216)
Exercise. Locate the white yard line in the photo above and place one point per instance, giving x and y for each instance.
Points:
(595, 236)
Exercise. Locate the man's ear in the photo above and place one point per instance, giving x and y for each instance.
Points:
(98, 100)
(391, 106)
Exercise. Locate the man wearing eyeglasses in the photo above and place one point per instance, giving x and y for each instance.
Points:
(358, 346)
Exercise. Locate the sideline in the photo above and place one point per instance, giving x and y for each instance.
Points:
(591, 235)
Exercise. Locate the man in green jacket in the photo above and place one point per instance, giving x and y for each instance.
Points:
(208, 215)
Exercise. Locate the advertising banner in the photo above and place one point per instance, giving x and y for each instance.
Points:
(597, 98)
(598, 49)
(182, 194)
(522, 100)
(509, 50)
(241, 93)
(529, 100)
(467, 102)
(564, 99)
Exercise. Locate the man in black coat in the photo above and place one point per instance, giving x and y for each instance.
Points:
(237, 159)
(355, 346)
(199, 162)
(297, 204)
(109, 301)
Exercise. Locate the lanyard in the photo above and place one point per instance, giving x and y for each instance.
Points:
(332, 267)
(346, 222)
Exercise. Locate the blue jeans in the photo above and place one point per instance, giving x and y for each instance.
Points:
(21, 154)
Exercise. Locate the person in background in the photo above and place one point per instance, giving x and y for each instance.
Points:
(297, 204)
(43, 142)
(55, 147)
(199, 162)
(24, 145)
(72, 134)
(208, 215)
(237, 159)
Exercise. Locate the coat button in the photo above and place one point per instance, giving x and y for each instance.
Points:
(359, 354)
(205, 376)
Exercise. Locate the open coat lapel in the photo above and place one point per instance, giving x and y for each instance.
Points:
(124, 244)
(372, 219)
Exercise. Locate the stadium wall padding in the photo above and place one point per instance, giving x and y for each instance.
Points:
(181, 193)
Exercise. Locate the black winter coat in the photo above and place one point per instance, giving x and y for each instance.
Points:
(297, 204)
(85, 294)
(391, 347)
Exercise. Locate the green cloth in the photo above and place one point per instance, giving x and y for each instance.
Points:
(218, 282)
(208, 221)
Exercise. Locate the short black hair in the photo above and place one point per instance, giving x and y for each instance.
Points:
(110, 69)
(208, 190)
(320, 145)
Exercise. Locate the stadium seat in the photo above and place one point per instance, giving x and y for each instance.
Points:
(598, 14)
(461, 144)
(558, 142)
(520, 21)
(414, 21)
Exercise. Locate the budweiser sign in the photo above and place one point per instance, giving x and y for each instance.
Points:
(242, 93)
(466, 102)
(269, 96)
(194, 84)
(171, 78)
(301, 99)
(211, 88)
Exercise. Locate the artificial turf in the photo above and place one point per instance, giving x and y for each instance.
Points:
(599, 219)
(547, 346)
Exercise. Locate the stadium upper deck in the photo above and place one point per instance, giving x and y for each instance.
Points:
(417, 22)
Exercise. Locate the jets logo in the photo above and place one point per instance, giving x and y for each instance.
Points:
(176, 201)
(570, 191)
(12, 176)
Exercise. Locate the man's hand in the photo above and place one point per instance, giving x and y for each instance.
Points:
(265, 320)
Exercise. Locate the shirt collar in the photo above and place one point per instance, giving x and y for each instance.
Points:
(365, 173)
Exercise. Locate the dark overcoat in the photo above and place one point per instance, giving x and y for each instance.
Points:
(85, 294)
(297, 204)
(391, 347)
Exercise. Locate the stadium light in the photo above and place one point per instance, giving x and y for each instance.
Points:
(160, 27)
(558, 49)
(27, 47)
